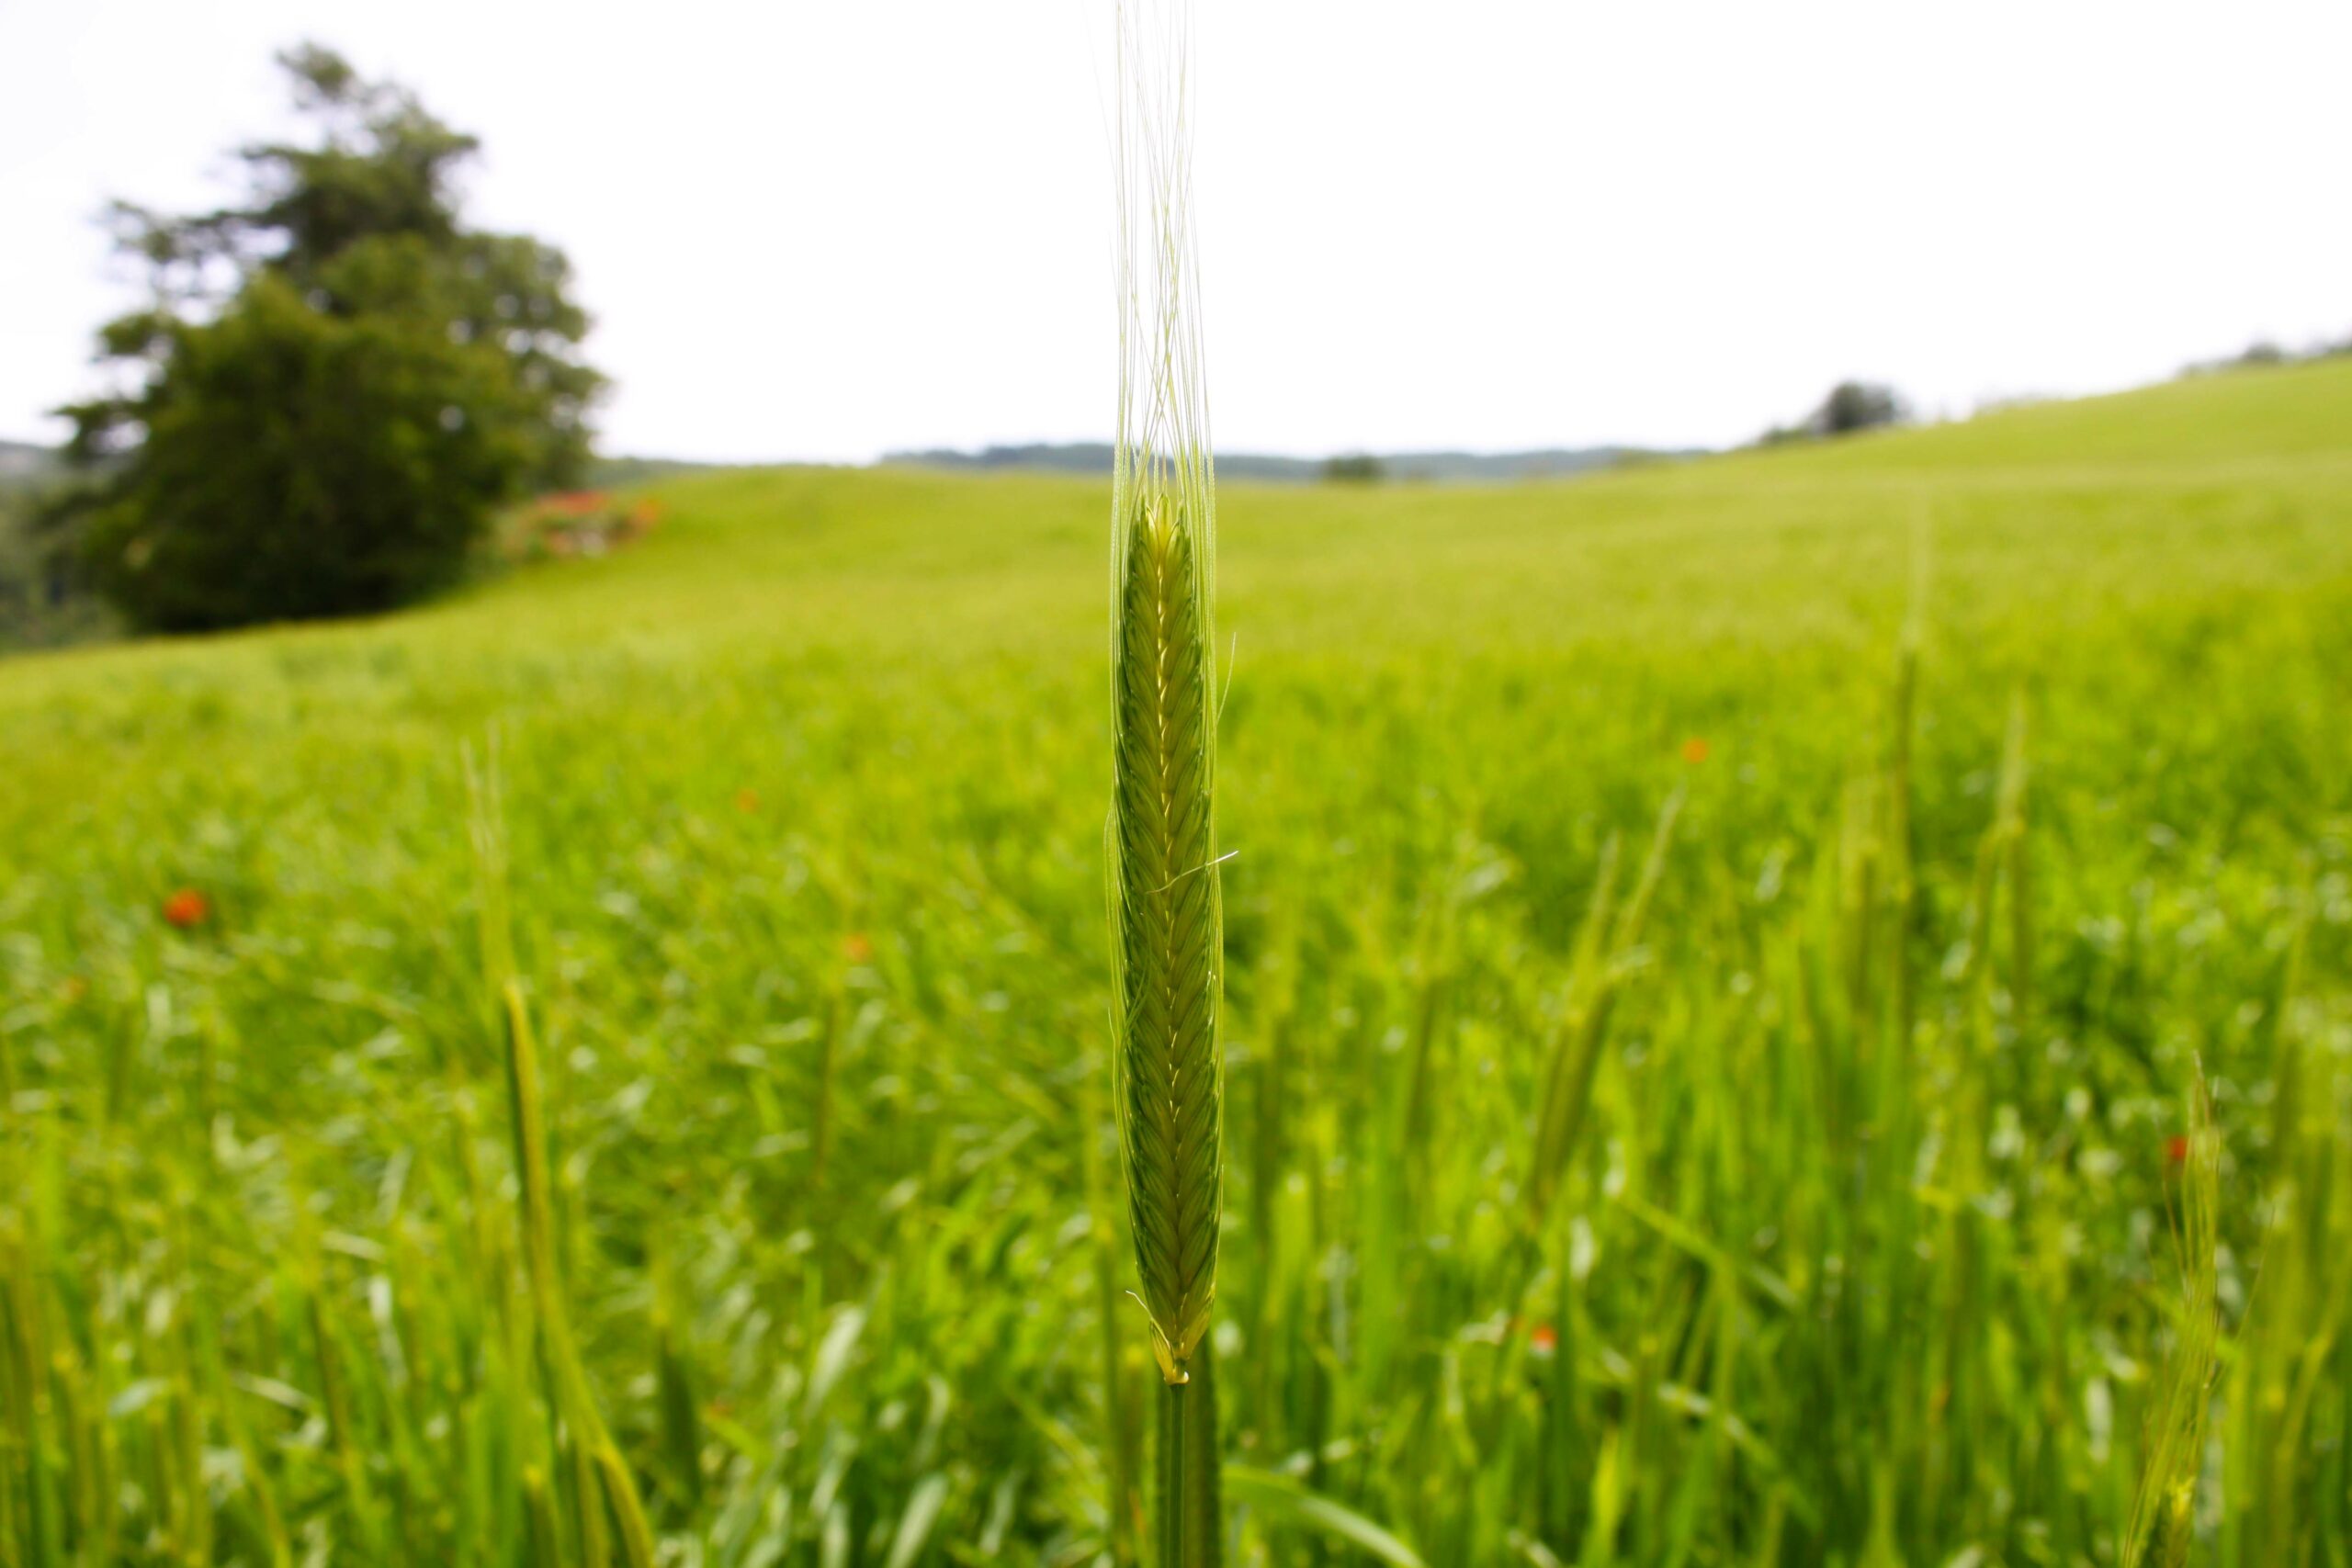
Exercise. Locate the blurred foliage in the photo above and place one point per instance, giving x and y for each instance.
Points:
(334, 383)
(45, 594)
(1354, 467)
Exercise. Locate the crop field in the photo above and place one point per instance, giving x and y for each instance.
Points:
(1856, 847)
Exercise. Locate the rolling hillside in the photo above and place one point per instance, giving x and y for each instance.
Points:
(1864, 1250)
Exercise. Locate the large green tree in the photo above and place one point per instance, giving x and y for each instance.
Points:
(334, 383)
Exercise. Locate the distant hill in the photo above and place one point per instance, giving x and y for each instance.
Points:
(2244, 415)
(613, 473)
(22, 462)
(1095, 458)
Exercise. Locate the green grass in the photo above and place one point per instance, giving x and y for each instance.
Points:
(803, 803)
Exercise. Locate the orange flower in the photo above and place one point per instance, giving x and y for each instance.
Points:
(857, 948)
(2177, 1149)
(1694, 751)
(747, 800)
(188, 908)
(1543, 1339)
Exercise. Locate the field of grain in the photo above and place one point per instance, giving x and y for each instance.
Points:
(2009, 771)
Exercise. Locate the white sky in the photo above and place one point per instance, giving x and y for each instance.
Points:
(822, 228)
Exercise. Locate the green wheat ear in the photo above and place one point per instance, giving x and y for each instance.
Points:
(1169, 926)
(1167, 929)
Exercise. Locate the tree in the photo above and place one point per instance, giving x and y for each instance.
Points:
(1857, 405)
(1354, 467)
(1851, 406)
(333, 385)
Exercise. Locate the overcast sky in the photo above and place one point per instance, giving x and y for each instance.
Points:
(824, 228)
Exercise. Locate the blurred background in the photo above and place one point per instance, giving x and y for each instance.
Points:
(1784, 592)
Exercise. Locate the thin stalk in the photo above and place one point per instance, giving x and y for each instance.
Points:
(829, 1051)
(1191, 1505)
(1174, 1408)
(603, 1481)
(606, 1497)
(2164, 1515)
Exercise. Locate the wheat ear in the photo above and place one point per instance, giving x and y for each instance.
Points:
(1168, 930)
(1167, 924)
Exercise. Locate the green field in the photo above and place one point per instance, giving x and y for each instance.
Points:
(1860, 1256)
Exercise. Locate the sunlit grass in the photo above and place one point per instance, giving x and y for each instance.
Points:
(804, 806)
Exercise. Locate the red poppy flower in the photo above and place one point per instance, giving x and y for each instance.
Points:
(1694, 751)
(188, 908)
(1543, 1339)
(2177, 1149)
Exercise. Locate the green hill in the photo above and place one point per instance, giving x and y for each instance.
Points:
(1812, 543)
(1863, 1256)
(2299, 410)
